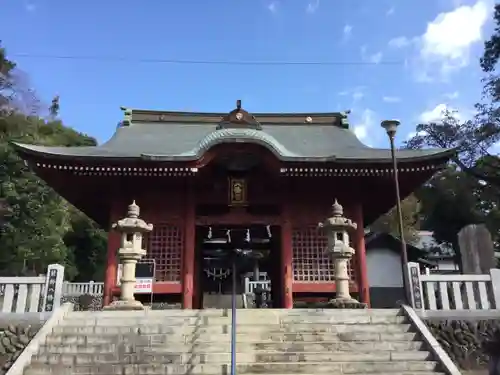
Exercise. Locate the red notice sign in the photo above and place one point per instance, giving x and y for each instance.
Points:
(143, 286)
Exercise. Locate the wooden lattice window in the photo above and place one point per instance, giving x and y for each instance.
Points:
(310, 261)
(165, 245)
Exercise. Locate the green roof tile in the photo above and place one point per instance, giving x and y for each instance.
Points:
(189, 140)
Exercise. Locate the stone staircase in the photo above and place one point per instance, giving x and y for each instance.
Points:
(269, 341)
(221, 301)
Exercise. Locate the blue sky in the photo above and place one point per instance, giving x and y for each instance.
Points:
(435, 45)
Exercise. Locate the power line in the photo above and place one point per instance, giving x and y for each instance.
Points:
(200, 62)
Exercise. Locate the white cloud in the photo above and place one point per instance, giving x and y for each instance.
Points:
(361, 132)
(391, 99)
(448, 39)
(313, 6)
(273, 6)
(434, 114)
(375, 58)
(390, 11)
(347, 31)
(495, 149)
(452, 95)
(364, 127)
(399, 42)
(437, 113)
(356, 93)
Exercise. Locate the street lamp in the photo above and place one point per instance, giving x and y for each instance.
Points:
(391, 127)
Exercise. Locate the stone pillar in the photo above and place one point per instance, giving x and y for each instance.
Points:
(337, 228)
(131, 229)
(476, 249)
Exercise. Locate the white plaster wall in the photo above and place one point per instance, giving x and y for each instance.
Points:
(384, 268)
(447, 265)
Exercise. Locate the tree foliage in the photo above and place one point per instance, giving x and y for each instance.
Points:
(389, 223)
(16, 93)
(453, 200)
(472, 139)
(38, 227)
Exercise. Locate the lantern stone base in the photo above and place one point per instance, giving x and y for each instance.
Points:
(344, 303)
(125, 306)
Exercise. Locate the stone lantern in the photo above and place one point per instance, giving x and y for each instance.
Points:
(337, 229)
(131, 229)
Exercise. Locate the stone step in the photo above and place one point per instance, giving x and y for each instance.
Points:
(69, 371)
(221, 347)
(264, 337)
(396, 367)
(148, 356)
(240, 313)
(151, 329)
(241, 320)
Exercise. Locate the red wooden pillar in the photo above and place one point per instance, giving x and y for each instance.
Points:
(111, 266)
(189, 249)
(286, 258)
(359, 246)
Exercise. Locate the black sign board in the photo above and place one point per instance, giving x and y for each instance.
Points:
(145, 270)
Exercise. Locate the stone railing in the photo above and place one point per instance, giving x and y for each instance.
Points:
(77, 289)
(453, 295)
(32, 294)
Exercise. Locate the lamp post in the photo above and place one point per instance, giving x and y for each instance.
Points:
(391, 127)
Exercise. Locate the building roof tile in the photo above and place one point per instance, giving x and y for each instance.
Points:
(182, 138)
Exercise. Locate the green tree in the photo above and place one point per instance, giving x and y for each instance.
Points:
(87, 245)
(473, 140)
(54, 108)
(16, 94)
(450, 201)
(6, 66)
(389, 223)
(38, 226)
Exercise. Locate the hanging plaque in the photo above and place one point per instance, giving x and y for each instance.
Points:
(237, 192)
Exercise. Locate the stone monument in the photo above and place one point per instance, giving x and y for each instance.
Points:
(476, 249)
(131, 228)
(337, 228)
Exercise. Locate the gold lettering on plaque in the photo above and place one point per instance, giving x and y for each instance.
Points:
(237, 192)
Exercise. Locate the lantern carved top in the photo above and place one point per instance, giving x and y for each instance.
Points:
(132, 223)
(337, 221)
